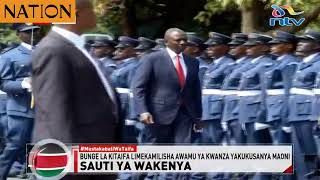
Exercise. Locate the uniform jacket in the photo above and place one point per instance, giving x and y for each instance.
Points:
(231, 82)
(305, 78)
(15, 66)
(280, 77)
(252, 108)
(213, 79)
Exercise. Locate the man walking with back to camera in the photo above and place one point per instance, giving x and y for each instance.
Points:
(75, 102)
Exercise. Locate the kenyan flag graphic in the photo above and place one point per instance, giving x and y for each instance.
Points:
(50, 160)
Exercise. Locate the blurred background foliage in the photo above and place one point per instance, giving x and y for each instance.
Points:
(151, 18)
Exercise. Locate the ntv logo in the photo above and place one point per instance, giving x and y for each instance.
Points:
(278, 14)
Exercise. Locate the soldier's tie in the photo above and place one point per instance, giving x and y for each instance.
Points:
(180, 72)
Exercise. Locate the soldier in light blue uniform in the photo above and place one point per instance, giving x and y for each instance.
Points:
(252, 109)
(160, 45)
(300, 112)
(230, 86)
(121, 78)
(102, 49)
(16, 82)
(195, 47)
(212, 98)
(145, 46)
(3, 111)
(125, 57)
(278, 83)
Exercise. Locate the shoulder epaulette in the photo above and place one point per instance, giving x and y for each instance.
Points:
(5, 50)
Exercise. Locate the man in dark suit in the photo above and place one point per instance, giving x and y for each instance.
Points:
(167, 92)
(74, 101)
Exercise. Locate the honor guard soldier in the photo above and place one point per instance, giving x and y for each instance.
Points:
(160, 44)
(195, 47)
(252, 110)
(231, 84)
(278, 82)
(121, 78)
(251, 105)
(125, 57)
(145, 46)
(300, 112)
(212, 97)
(16, 82)
(102, 49)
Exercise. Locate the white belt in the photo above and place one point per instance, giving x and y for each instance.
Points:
(129, 122)
(316, 91)
(1, 92)
(230, 92)
(249, 93)
(301, 91)
(123, 90)
(212, 91)
(273, 92)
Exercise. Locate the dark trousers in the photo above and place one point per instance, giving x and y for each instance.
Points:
(212, 132)
(259, 137)
(177, 132)
(3, 129)
(237, 132)
(305, 148)
(19, 131)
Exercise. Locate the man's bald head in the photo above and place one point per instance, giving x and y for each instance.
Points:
(83, 4)
(86, 18)
(171, 31)
(175, 39)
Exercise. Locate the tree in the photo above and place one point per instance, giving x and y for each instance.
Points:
(255, 13)
(146, 17)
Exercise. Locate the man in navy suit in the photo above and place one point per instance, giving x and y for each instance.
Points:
(167, 93)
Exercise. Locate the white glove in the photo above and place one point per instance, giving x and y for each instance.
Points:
(260, 126)
(26, 84)
(286, 129)
(224, 126)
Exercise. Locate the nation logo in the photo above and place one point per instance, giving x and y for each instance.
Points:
(48, 159)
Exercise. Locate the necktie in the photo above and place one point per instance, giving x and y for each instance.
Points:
(180, 72)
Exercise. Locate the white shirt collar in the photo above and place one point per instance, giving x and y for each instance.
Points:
(241, 59)
(256, 59)
(172, 54)
(128, 59)
(310, 57)
(70, 36)
(218, 60)
(28, 46)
